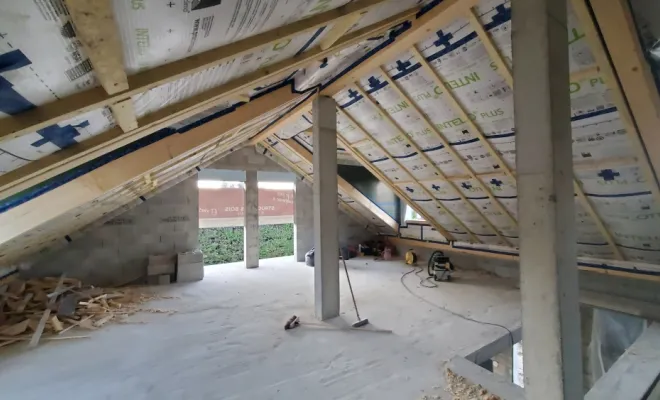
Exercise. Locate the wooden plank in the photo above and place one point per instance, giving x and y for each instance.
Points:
(339, 28)
(95, 26)
(617, 29)
(394, 187)
(387, 117)
(34, 341)
(345, 186)
(491, 49)
(457, 157)
(52, 165)
(124, 114)
(90, 186)
(79, 103)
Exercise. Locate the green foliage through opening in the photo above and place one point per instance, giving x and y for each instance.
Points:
(225, 245)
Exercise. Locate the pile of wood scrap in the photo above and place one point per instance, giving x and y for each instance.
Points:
(47, 308)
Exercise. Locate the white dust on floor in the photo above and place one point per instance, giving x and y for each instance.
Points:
(226, 340)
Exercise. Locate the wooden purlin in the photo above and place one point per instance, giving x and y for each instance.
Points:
(59, 162)
(394, 187)
(602, 57)
(457, 157)
(426, 158)
(506, 74)
(348, 209)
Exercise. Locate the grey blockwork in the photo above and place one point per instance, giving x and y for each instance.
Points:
(117, 252)
(350, 231)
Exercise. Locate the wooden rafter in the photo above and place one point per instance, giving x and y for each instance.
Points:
(52, 165)
(394, 187)
(460, 110)
(305, 175)
(457, 157)
(420, 28)
(637, 87)
(586, 203)
(344, 185)
(602, 57)
(491, 49)
(365, 163)
(106, 178)
(430, 162)
(97, 30)
(505, 72)
(78, 103)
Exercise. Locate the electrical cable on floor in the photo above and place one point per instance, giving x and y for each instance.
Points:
(423, 281)
(417, 270)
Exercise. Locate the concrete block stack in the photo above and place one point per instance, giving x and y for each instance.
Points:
(190, 266)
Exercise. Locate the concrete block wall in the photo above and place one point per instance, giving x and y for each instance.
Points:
(247, 159)
(350, 231)
(117, 252)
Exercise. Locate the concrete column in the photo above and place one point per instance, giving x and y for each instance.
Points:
(546, 209)
(303, 220)
(326, 211)
(251, 225)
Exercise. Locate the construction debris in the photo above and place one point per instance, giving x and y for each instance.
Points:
(463, 389)
(46, 308)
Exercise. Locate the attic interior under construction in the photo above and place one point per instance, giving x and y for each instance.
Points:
(500, 243)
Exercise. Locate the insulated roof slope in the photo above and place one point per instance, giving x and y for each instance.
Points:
(60, 228)
(437, 124)
(46, 78)
(43, 61)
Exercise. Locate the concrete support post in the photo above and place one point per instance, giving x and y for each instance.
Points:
(303, 220)
(326, 210)
(251, 225)
(546, 208)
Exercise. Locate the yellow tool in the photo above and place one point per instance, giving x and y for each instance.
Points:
(411, 257)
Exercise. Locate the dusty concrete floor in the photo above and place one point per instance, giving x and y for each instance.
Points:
(226, 340)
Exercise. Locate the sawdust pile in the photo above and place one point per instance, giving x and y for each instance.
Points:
(462, 389)
(47, 308)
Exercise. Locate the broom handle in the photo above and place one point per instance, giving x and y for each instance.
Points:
(350, 286)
